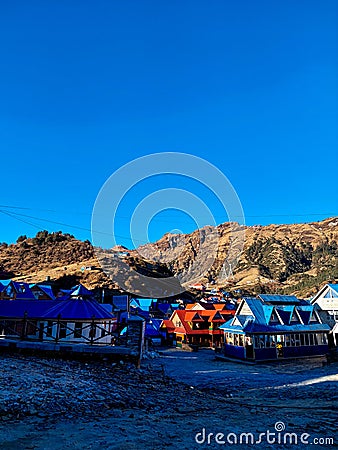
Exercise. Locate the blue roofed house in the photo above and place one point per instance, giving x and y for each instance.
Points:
(15, 290)
(326, 303)
(142, 304)
(273, 327)
(42, 291)
(77, 319)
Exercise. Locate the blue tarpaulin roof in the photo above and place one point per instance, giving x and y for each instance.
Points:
(78, 309)
(18, 308)
(81, 291)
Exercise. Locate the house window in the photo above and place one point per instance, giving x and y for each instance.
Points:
(311, 340)
(280, 338)
(302, 339)
(78, 330)
(297, 340)
(240, 340)
(229, 339)
(260, 341)
(63, 330)
(236, 339)
(287, 340)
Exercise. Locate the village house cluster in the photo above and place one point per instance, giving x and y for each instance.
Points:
(262, 328)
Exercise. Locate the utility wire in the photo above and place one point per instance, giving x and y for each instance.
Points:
(18, 216)
(118, 216)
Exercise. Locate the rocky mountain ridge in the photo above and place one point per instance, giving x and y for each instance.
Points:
(296, 258)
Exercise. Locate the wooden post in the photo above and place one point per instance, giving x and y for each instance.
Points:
(92, 331)
(24, 327)
(136, 330)
(57, 329)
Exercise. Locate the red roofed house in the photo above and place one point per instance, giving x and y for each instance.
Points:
(197, 327)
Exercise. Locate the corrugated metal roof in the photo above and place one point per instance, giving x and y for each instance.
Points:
(292, 328)
(258, 322)
(274, 298)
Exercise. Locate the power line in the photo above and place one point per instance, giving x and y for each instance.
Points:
(118, 216)
(15, 216)
(18, 216)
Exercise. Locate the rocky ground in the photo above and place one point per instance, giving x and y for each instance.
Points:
(55, 404)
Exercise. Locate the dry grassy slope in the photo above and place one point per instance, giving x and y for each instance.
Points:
(296, 258)
(60, 257)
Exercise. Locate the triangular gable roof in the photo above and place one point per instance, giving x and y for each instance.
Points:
(217, 317)
(269, 311)
(81, 291)
(194, 306)
(195, 318)
(168, 324)
(285, 312)
(46, 289)
(255, 306)
(295, 317)
(21, 289)
(305, 313)
(328, 288)
(334, 287)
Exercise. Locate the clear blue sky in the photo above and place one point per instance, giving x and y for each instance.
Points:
(251, 86)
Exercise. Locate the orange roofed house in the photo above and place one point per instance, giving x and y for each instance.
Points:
(196, 326)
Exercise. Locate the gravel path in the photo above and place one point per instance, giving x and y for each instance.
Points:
(54, 404)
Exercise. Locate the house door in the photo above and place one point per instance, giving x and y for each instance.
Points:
(249, 350)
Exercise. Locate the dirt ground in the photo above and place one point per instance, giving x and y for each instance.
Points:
(185, 396)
